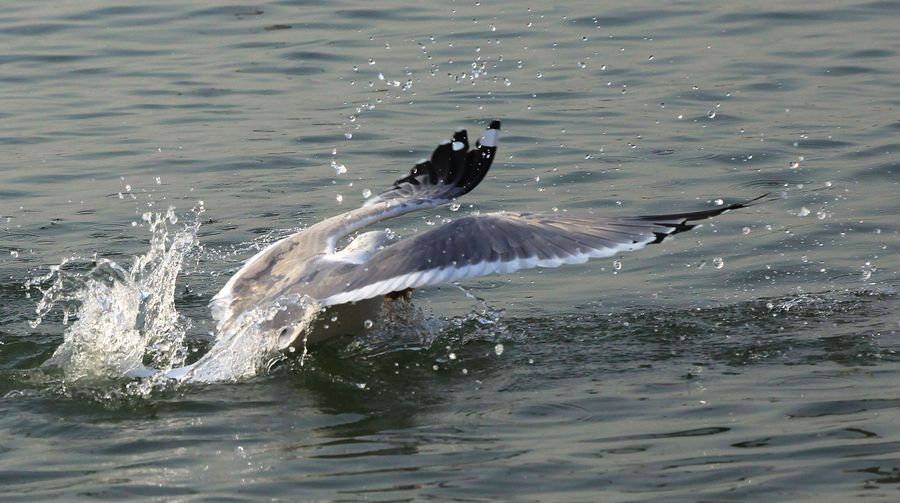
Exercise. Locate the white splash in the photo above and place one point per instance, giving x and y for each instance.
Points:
(126, 324)
(249, 347)
(124, 316)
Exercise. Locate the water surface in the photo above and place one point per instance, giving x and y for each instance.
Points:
(772, 377)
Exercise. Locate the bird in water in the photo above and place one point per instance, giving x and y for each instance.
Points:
(284, 289)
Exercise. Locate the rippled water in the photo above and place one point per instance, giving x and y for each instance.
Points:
(754, 358)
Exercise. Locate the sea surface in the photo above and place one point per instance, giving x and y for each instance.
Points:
(149, 148)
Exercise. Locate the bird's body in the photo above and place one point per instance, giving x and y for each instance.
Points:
(343, 289)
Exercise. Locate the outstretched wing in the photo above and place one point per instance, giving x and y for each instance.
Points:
(502, 243)
(452, 171)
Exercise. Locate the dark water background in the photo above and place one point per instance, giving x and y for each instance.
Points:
(772, 377)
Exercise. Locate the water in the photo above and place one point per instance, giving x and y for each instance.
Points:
(754, 358)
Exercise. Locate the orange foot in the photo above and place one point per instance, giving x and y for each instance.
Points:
(403, 294)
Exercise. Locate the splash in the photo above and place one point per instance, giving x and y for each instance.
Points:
(483, 323)
(124, 317)
(401, 326)
(127, 325)
(250, 346)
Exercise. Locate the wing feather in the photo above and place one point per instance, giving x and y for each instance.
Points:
(503, 243)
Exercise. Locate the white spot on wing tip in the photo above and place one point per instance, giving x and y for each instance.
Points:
(490, 137)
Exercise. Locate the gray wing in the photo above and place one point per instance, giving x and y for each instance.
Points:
(502, 243)
(452, 171)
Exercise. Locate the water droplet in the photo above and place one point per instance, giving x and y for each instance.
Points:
(650, 58)
(581, 64)
(368, 324)
(617, 265)
(127, 188)
(339, 198)
(711, 114)
(366, 193)
(465, 371)
(452, 356)
(719, 202)
(793, 164)
(867, 270)
(745, 231)
(348, 135)
(14, 253)
(719, 262)
(498, 349)
(454, 206)
(804, 211)
(539, 74)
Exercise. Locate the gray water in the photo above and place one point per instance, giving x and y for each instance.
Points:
(753, 359)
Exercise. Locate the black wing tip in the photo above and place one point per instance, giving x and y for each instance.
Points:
(748, 202)
(681, 222)
(704, 214)
(743, 204)
(461, 171)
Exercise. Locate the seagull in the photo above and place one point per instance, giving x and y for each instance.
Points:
(351, 284)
